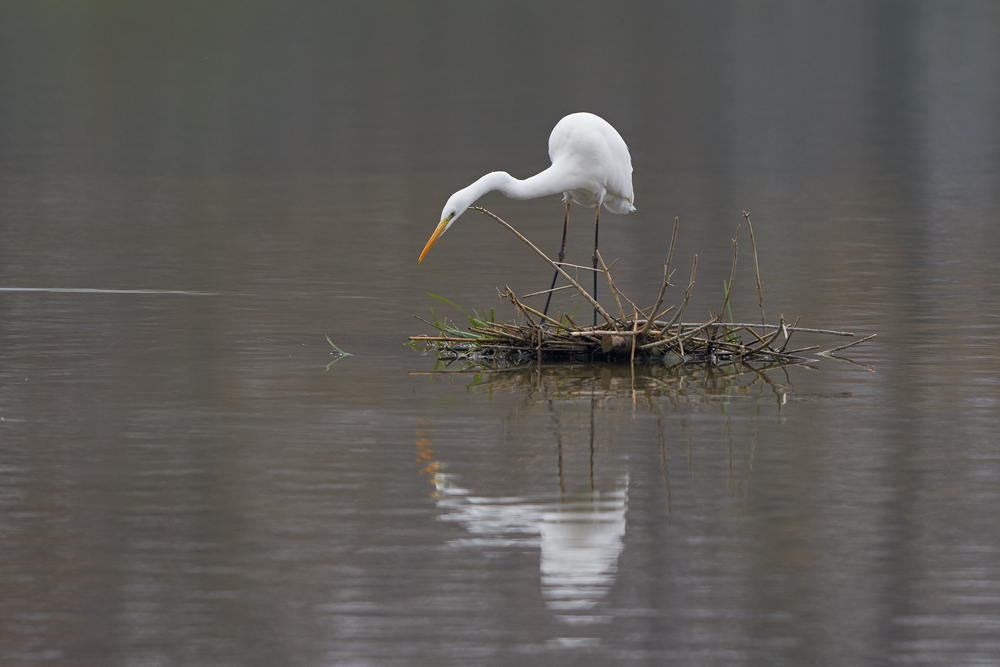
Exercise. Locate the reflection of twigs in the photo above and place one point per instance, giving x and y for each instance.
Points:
(851, 361)
(635, 327)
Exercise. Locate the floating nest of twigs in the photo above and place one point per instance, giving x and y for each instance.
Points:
(631, 335)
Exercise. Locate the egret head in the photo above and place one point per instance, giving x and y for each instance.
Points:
(457, 204)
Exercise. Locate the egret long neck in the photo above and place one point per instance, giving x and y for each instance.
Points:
(548, 182)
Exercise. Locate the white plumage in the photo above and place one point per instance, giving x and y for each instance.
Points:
(591, 166)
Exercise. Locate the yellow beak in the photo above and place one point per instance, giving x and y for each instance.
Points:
(434, 237)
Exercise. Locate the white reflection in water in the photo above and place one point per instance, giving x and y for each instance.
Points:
(580, 538)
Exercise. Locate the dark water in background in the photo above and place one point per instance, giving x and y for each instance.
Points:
(183, 481)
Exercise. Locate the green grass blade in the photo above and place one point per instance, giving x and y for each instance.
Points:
(339, 351)
(452, 303)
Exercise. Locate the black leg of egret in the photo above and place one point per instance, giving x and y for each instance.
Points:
(597, 215)
(562, 256)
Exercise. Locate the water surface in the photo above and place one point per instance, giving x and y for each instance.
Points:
(192, 198)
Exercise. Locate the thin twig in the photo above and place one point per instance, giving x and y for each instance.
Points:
(844, 347)
(674, 339)
(611, 283)
(687, 296)
(531, 310)
(732, 274)
(654, 320)
(775, 326)
(632, 303)
(547, 291)
(603, 313)
(519, 305)
(666, 274)
(788, 334)
(756, 269)
(450, 340)
(577, 266)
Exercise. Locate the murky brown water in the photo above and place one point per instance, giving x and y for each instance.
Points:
(191, 198)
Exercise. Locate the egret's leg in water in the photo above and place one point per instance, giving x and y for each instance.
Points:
(562, 256)
(597, 216)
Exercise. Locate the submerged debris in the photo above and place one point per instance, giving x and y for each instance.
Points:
(635, 334)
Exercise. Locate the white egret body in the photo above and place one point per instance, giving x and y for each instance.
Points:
(591, 166)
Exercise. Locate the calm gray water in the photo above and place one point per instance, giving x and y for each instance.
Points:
(192, 198)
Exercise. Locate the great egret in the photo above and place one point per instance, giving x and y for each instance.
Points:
(591, 166)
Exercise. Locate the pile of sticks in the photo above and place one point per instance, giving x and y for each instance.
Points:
(631, 334)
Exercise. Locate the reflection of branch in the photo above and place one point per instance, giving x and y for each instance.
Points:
(851, 361)
(688, 382)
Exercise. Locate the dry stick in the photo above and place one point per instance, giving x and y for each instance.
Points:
(643, 311)
(844, 347)
(687, 296)
(732, 274)
(663, 313)
(666, 275)
(788, 336)
(753, 245)
(446, 339)
(632, 303)
(771, 338)
(531, 310)
(659, 299)
(775, 326)
(547, 291)
(764, 342)
(495, 333)
(601, 332)
(577, 266)
(678, 337)
(519, 305)
(611, 283)
(639, 311)
(500, 327)
(603, 313)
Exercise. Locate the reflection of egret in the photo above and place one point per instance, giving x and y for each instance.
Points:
(591, 166)
(580, 537)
